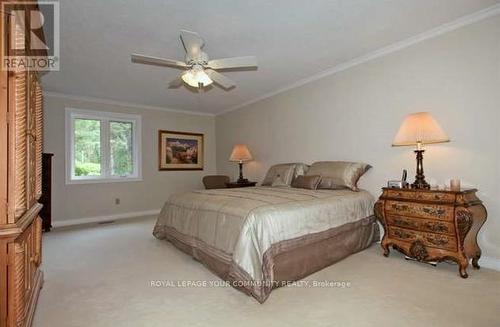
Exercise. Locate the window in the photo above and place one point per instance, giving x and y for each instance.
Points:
(102, 146)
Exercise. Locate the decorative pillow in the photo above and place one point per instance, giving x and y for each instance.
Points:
(285, 171)
(300, 169)
(279, 182)
(338, 174)
(310, 182)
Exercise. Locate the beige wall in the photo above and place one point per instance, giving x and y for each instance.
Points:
(355, 114)
(94, 200)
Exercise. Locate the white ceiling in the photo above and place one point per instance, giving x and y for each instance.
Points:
(292, 39)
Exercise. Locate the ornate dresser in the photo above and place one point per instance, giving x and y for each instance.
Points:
(432, 225)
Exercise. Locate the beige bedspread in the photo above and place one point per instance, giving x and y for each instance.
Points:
(241, 224)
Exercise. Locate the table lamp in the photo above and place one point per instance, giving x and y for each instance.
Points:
(418, 129)
(240, 154)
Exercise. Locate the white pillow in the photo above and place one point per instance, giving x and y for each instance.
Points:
(285, 171)
(338, 174)
(279, 181)
(300, 169)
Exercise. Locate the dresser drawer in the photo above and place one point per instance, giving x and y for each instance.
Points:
(435, 197)
(430, 211)
(425, 225)
(403, 234)
(440, 241)
(401, 194)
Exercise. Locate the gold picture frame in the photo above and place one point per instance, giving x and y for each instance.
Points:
(180, 150)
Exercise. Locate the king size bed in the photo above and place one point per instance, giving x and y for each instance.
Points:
(262, 237)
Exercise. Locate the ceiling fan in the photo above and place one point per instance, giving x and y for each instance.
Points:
(200, 71)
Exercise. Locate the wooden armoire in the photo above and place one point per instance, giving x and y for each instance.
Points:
(20, 188)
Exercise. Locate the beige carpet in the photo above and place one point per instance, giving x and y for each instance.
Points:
(101, 276)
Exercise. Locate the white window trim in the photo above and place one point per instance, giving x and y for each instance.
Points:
(71, 114)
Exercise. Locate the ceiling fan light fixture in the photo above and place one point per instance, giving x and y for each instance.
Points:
(201, 71)
(196, 76)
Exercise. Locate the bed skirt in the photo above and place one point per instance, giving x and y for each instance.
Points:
(285, 261)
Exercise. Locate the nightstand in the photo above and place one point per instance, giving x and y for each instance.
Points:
(430, 225)
(236, 184)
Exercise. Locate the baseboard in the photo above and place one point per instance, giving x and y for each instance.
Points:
(489, 262)
(100, 219)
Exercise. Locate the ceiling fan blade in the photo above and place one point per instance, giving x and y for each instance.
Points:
(220, 79)
(141, 59)
(235, 62)
(176, 82)
(192, 42)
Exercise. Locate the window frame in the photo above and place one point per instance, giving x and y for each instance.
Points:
(105, 118)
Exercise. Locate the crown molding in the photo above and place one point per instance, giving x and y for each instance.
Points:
(432, 33)
(123, 103)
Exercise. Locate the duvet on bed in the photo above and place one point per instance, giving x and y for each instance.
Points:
(260, 235)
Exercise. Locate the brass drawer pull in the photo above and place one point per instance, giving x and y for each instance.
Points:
(400, 207)
(402, 234)
(436, 227)
(433, 211)
(405, 223)
(437, 241)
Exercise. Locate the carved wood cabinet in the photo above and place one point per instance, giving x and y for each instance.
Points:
(20, 188)
(432, 225)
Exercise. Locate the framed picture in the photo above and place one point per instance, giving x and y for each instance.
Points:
(180, 151)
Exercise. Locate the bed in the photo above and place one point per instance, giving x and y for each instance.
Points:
(261, 238)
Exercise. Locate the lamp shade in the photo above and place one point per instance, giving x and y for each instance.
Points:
(240, 153)
(420, 128)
